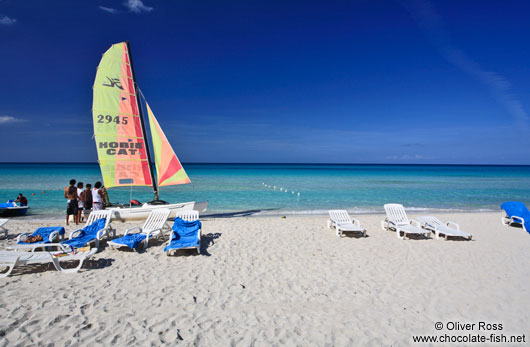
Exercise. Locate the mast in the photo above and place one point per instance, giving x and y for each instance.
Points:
(140, 112)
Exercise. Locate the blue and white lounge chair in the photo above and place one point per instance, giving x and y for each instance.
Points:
(186, 232)
(154, 226)
(48, 234)
(97, 226)
(516, 213)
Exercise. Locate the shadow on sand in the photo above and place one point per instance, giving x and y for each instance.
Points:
(91, 264)
(235, 214)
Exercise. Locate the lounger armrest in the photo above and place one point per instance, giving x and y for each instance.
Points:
(100, 233)
(170, 237)
(520, 220)
(386, 224)
(53, 235)
(416, 223)
(74, 232)
(453, 223)
(131, 229)
(356, 222)
(25, 235)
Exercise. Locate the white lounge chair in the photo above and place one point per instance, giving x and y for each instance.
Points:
(397, 219)
(191, 239)
(154, 226)
(11, 259)
(434, 224)
(3, 230)
(341, 221)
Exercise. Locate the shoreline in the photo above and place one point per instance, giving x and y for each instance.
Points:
(268, 213)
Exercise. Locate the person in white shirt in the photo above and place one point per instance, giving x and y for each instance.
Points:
(97, 199)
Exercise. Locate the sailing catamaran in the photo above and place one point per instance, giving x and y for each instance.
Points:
(121, 138)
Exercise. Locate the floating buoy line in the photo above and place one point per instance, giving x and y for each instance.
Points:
(280, 189)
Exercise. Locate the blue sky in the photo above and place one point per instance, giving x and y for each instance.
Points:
(407, 81)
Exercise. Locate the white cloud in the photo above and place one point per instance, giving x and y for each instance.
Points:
(5, 20)
(108, 9)
(9, 119)
(137, 6)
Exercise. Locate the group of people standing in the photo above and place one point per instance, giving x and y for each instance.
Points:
(82, 197)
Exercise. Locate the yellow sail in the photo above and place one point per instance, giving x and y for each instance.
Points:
(168, 167)
(117, 127)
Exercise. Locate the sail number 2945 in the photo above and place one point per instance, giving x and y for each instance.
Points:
(109, 119)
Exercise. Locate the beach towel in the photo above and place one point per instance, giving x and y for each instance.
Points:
(44, 232)
(185, 234)
(517, 209)
(130, 240)
(87, 234)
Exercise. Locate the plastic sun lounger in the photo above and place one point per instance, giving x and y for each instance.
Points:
(3, 230)
(341, 221)
(435, 225)
(154, 226)
(397, 219)
(186, 232)
(48, 234)
(92, 232)
(11, 259)
(516, 213)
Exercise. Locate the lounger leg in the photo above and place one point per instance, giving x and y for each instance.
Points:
(57, 265)
(10, 269)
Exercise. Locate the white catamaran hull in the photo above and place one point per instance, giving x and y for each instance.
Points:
(124, 214)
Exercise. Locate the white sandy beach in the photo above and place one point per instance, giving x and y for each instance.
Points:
(265, 281)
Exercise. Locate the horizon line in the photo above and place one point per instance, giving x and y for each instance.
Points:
(278, 163)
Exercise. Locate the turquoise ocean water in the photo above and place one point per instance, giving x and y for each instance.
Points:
(249, 187)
